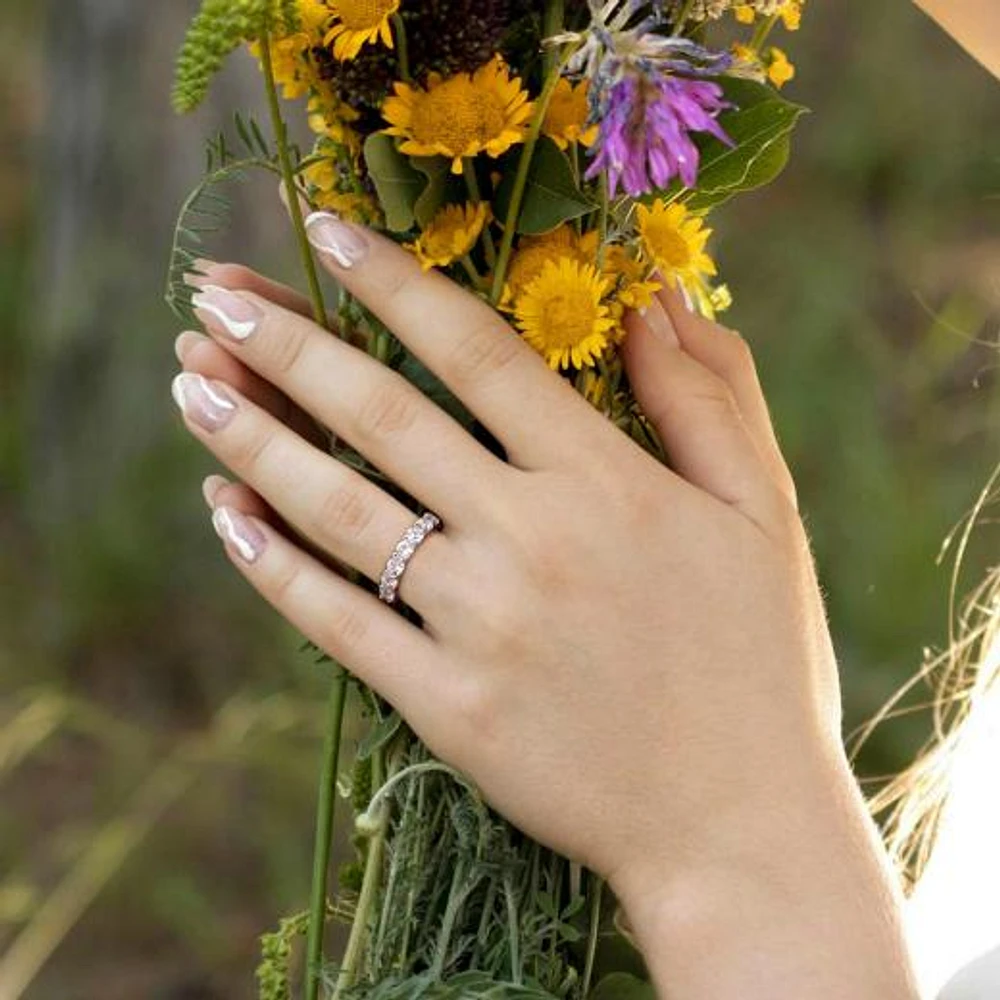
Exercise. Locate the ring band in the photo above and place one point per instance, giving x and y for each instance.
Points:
(392, 575)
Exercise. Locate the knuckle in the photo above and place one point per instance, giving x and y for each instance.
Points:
(344, 514)
(390, 409)
(347, 626)
(250, 454)
(284, 584)
(490, 348)
(289, 342)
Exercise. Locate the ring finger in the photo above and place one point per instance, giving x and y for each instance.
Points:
(340, 510)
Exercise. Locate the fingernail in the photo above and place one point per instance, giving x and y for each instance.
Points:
(184, 343)
(659, 322)
(240, 532)
(205, 403)
(210, 488)
(343, 242)
(239, 316)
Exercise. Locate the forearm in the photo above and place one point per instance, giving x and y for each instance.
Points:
(803, 906)
(975, 24)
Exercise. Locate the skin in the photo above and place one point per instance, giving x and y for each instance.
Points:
(975, 24)
(631, 661)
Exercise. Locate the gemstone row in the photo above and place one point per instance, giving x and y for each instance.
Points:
(396, 566)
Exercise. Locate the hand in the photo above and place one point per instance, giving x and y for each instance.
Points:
(632, 662)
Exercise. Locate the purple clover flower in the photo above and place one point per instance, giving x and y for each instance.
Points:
(647, 123)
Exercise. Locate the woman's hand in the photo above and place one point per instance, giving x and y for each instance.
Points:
(632, 662)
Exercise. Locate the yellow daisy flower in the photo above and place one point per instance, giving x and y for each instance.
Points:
(563, 315)
(534, 252)
(636, 286)
(450, 235)
(360, 23)
(314, 15)
(745, 13)
(323, 181)
(566, 118)
(780, 69)
(675, 240)
(483, 112)
(331, 118)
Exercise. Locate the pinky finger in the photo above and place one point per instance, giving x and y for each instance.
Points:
(379, 646)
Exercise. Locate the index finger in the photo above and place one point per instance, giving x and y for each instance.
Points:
(535, 414)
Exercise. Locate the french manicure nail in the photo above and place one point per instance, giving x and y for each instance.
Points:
(210, 488)
(345, 243)
(240, 532)
(184, 343)
(205, 403)
(659, 322)
(239, 316)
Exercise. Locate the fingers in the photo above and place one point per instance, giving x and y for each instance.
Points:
(236, 276)
(534, 414)
(201, 355)
(345, 514)
(697, 418)
(378, 645)
(220, 492)
(728, 356)
(376, 410)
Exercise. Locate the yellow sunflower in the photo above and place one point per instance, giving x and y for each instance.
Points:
(330, 118)
(534, 252)
(359, 23)
(675, 240)
(314, 15)
(566, 118)
(563, 315)
(483, 112)
(450, 235)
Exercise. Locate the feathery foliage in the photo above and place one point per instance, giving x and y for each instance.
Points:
(218, 29)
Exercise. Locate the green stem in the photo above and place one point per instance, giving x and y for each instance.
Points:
(603, 221)
(291, 184)
(682, 18)
(596, 895)
(521, 182)
(555, 19)
(472, 183)
(403, 46)
(764, 29)
(324, 836)
(370, 886)
(475, 277)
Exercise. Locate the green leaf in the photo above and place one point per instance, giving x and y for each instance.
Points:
(761, 128)
(441, 186)
(621, 986)
(552, 195)
(399, 185)
(379, 735)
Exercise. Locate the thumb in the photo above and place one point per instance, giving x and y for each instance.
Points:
(696, 416)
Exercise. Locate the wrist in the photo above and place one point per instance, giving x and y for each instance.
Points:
(798, 898)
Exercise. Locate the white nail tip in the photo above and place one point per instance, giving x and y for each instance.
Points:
(225, 528)
(237, 330)
(186, 380)
(327, 246)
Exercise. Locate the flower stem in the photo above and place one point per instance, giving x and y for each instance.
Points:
(521, 182)
(324, 835)
(472, 183)
(680, 23)
(403, 45)
(291, 185)
(763, 31)
(555, 17)
(596, 895)
(369, 890)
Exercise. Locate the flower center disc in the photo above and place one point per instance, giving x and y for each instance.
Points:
(457, 115)
(569, 317)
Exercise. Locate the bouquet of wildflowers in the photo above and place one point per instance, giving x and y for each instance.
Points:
(559, 158)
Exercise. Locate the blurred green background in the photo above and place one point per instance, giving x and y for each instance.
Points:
(158, 726)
